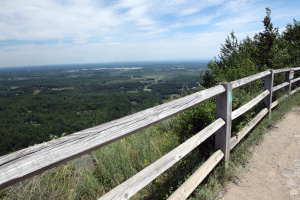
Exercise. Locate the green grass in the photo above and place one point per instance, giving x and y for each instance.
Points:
(133, 91)
(172, 97)
(113, 164)
(56, 183)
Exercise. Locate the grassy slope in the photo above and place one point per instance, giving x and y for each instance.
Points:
(113, 164)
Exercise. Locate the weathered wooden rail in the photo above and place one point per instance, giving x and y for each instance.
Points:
(28, 162)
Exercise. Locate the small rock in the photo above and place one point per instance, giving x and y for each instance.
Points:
(293, 192)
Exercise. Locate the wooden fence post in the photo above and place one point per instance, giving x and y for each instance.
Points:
(269, 80)
(224, 110)
(287, 79)
(298, 82)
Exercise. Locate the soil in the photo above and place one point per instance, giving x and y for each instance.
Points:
(273, 171)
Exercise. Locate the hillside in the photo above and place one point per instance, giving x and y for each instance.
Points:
(76, 105)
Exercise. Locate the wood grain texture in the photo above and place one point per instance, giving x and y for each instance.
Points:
(249, 79)
(278, 71)
(288, 80)
(144, 177)
(25, 163)
(184, 191)
(268, 85)
(275, 103)
(298, 82)
(238, 112)
(239, 136)
(223, 110)
(295, 80)
(277, 87)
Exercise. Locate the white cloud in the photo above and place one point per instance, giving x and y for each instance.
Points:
(76, 20)
(188, 11)
(157, 31)
(68, 31)
(194, 21)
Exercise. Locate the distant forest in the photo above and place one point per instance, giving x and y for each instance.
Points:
(41, 103)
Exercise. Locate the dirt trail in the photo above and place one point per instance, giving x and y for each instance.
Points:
(273, 171)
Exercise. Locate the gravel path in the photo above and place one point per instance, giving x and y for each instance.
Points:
(273, 171)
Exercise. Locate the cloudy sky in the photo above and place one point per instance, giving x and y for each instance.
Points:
(45, 32)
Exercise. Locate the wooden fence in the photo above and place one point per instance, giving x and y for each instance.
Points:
(28, 162)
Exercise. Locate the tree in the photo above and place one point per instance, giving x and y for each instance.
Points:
(264, 42)
(292, 38)
(234, 62)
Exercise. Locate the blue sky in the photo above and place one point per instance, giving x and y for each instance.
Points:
(35, 32)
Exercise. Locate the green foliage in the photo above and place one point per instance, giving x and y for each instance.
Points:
(195, 119)
(267, 50)
(264, 42)
(56, 183)
(105, 97)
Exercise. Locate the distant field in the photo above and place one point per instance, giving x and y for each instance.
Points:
(146, 89)
(13, 87)
(172, 97)
(159, 77)
(64, 88)
(25, 78)
(133, 91)
(36, 91)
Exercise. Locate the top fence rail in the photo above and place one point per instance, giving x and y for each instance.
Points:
(28, 162)
(245, 81)
(25, 163)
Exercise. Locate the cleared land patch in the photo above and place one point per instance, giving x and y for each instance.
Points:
(36, 91)
(133, 91)
(172, 97)
(63, 88)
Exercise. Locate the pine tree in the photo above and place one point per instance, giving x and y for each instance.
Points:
(264, 42)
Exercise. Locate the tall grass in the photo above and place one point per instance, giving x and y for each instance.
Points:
(121, 160)
(56, 183)
(93, 175)
(112, 165)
